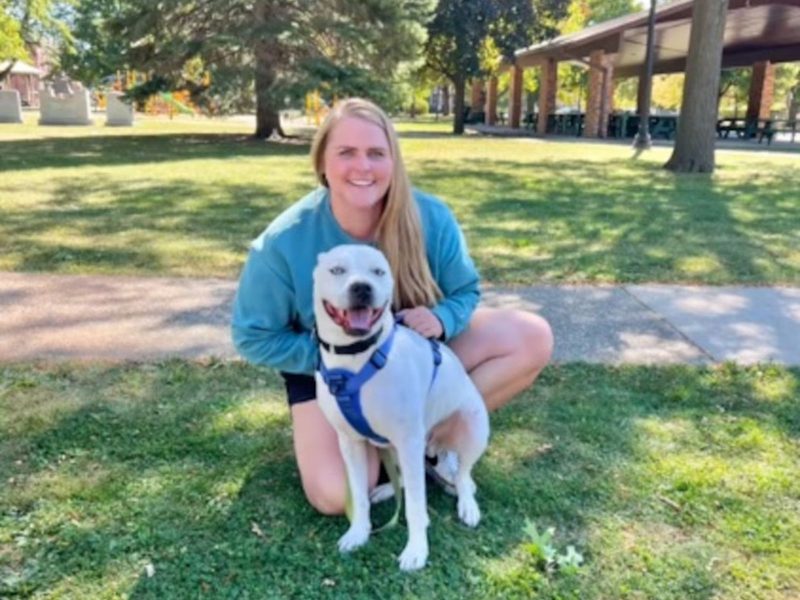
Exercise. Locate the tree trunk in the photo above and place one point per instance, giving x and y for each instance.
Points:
(268, 120)
(459, 83)
(694, 143)
(445, 99)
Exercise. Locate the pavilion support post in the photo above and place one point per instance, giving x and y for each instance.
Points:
(762, 85)
(477, 96)
(515, 108)
(547, 93)
(491, 102)
(598, 103)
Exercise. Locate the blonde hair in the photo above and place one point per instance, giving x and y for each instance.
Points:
(399, 233)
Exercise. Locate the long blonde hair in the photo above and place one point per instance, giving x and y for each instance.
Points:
(399, 233)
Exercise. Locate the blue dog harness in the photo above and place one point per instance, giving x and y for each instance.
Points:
(345, 385)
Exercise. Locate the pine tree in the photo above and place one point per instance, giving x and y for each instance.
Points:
(256, 54)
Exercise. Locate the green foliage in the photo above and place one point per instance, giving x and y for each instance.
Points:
(541, 547)
(11, 43)
(787, 87)
(572, 78)
(26, 24)
(466, 36)
(266, 53)
(734, 88)
(98, 52)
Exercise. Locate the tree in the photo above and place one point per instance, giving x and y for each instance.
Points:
(572, 78)
(259, 53)
(694, 142)
(734, 84)
(12, 47)
(26, 24)
(461, 30)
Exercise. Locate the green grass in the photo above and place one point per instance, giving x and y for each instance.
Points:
(674, 483)
(184, 197)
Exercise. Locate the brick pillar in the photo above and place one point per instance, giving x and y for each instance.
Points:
(547, 93)
(491, 102)
(476, 96)
(598, 102)
(515, 107)
(762, 86)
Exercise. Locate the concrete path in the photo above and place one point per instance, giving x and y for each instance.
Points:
(56, 317)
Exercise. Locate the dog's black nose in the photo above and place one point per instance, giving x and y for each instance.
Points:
(360, 294)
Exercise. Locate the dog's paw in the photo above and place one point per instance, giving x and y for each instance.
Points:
(356, 536)
(381, 492)
(468, 510)
(414, 556)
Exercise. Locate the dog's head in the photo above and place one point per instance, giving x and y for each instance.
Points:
(352, 292)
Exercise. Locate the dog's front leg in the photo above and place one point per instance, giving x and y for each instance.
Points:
(411, 456)
(354, 454)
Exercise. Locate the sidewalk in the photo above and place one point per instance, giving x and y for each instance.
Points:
(58, 317)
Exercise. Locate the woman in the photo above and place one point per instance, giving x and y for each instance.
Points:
(366, 197)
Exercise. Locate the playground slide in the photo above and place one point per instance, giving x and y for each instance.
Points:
(177, 106)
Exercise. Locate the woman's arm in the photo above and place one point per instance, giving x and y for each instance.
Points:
(456, 276)
(264, 316)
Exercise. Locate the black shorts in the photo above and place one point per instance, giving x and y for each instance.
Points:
(299, 388)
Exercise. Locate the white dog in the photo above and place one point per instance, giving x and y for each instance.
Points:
(385, 384)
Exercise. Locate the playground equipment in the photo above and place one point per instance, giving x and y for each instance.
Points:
(315, 108)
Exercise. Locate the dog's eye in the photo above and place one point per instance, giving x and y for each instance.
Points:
(337, 270)
(379, 272)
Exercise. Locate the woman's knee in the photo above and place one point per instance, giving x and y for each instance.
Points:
(537, 340)
(326, 494)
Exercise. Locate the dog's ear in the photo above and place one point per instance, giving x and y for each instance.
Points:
(321, 256)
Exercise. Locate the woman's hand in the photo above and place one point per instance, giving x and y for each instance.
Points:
(422, 320)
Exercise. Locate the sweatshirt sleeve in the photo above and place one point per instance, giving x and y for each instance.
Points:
(457, 278)
(264, 316)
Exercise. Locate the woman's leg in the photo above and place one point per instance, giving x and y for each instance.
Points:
(319, 461)
(504, 350)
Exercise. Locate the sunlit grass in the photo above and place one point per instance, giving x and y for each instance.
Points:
(146, 481)
(184, 197)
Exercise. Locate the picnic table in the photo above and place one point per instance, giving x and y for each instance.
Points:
(747, 129)
(625, 125)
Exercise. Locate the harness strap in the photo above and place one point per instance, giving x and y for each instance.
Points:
(345, 385)
(437, 358)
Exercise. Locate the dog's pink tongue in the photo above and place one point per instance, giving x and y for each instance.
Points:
(359, 319)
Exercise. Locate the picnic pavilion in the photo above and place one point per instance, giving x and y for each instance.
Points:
(758, 34)
(24, 78)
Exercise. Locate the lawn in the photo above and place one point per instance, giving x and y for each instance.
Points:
(185, 197)
(176, 480)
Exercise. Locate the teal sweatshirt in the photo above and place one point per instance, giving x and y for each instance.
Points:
(273, 312)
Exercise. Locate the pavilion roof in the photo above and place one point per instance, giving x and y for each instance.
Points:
(20, 68)
(755, 30)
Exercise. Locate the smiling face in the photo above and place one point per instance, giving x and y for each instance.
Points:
(358, 165)
(352, 291)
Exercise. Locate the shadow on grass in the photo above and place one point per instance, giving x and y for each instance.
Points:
(127, 233)
(626, 222)
(527, 221)
(137, 149)
(194, 474)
